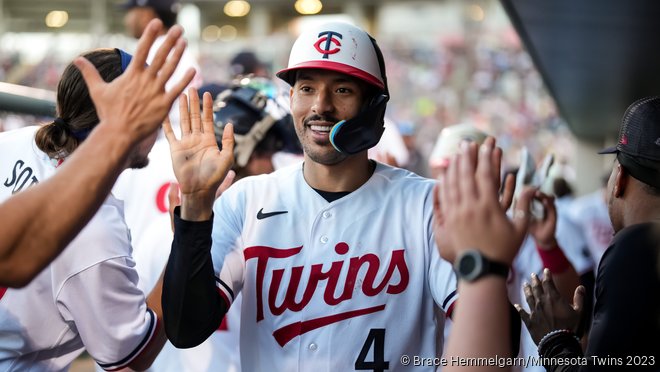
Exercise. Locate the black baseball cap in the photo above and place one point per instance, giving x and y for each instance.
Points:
(638, 149)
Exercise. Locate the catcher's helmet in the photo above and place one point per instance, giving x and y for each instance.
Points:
(262, 123)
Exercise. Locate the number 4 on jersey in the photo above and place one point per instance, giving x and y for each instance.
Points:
(376, 338)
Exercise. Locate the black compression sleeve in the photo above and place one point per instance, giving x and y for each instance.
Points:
(192, 307)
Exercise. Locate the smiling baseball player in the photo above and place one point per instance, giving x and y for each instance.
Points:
(336, 257)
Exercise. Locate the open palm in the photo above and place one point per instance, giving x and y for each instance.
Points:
(468, 212)
(199, 165)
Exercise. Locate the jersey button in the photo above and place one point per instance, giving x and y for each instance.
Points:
(324, 239)
(313, 346)
(327, 214)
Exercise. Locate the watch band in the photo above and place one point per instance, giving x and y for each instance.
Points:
(472, 265)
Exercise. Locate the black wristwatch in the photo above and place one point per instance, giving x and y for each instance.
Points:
(472, 265)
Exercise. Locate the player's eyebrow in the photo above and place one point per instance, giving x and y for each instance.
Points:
(305, 76)
(340, 79)
(343, 80)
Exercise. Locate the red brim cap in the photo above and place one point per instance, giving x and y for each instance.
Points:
(288, 74)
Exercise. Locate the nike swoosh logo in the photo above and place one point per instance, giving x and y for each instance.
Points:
(261, 215)
(289, 332)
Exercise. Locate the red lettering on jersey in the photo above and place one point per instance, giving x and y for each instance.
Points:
(161, 198)
(262, 255)
(2, 292)
(368, 284)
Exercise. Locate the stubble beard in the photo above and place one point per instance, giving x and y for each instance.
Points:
(321, 153)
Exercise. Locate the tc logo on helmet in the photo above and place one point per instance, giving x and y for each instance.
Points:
(328, 38)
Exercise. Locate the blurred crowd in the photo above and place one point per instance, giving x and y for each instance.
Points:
(488, 82)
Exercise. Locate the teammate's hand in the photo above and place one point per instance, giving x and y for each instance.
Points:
(198, 164)
(549, 310)
(135, 103)
(543, 230)
(467, 201)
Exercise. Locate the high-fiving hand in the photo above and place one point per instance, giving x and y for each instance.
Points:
(466, 200)
(549, 311)
(136, 102)
(199, 165)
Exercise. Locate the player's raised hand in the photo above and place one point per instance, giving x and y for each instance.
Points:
(467, 200)
(199, 165)
(549, 311)
(136, 102)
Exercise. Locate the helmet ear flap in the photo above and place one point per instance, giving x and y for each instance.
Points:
(364, 130)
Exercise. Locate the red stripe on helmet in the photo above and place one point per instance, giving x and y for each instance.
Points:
(288, 75)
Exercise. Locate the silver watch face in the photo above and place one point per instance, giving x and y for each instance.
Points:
(470, 265)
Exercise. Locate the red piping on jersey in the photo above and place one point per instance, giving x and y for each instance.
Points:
(151, 342)
(223, 324)
(224, 296)
(450, 310)
(289, 332)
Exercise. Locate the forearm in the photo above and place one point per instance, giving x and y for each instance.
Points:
(480, 331)
(192, 307)
(42, 220)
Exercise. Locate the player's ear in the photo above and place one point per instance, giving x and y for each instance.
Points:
(620, 181)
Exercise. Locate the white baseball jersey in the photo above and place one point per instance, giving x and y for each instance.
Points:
(87, 298)
(590, 213)
(331, 286)
(528, 261)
